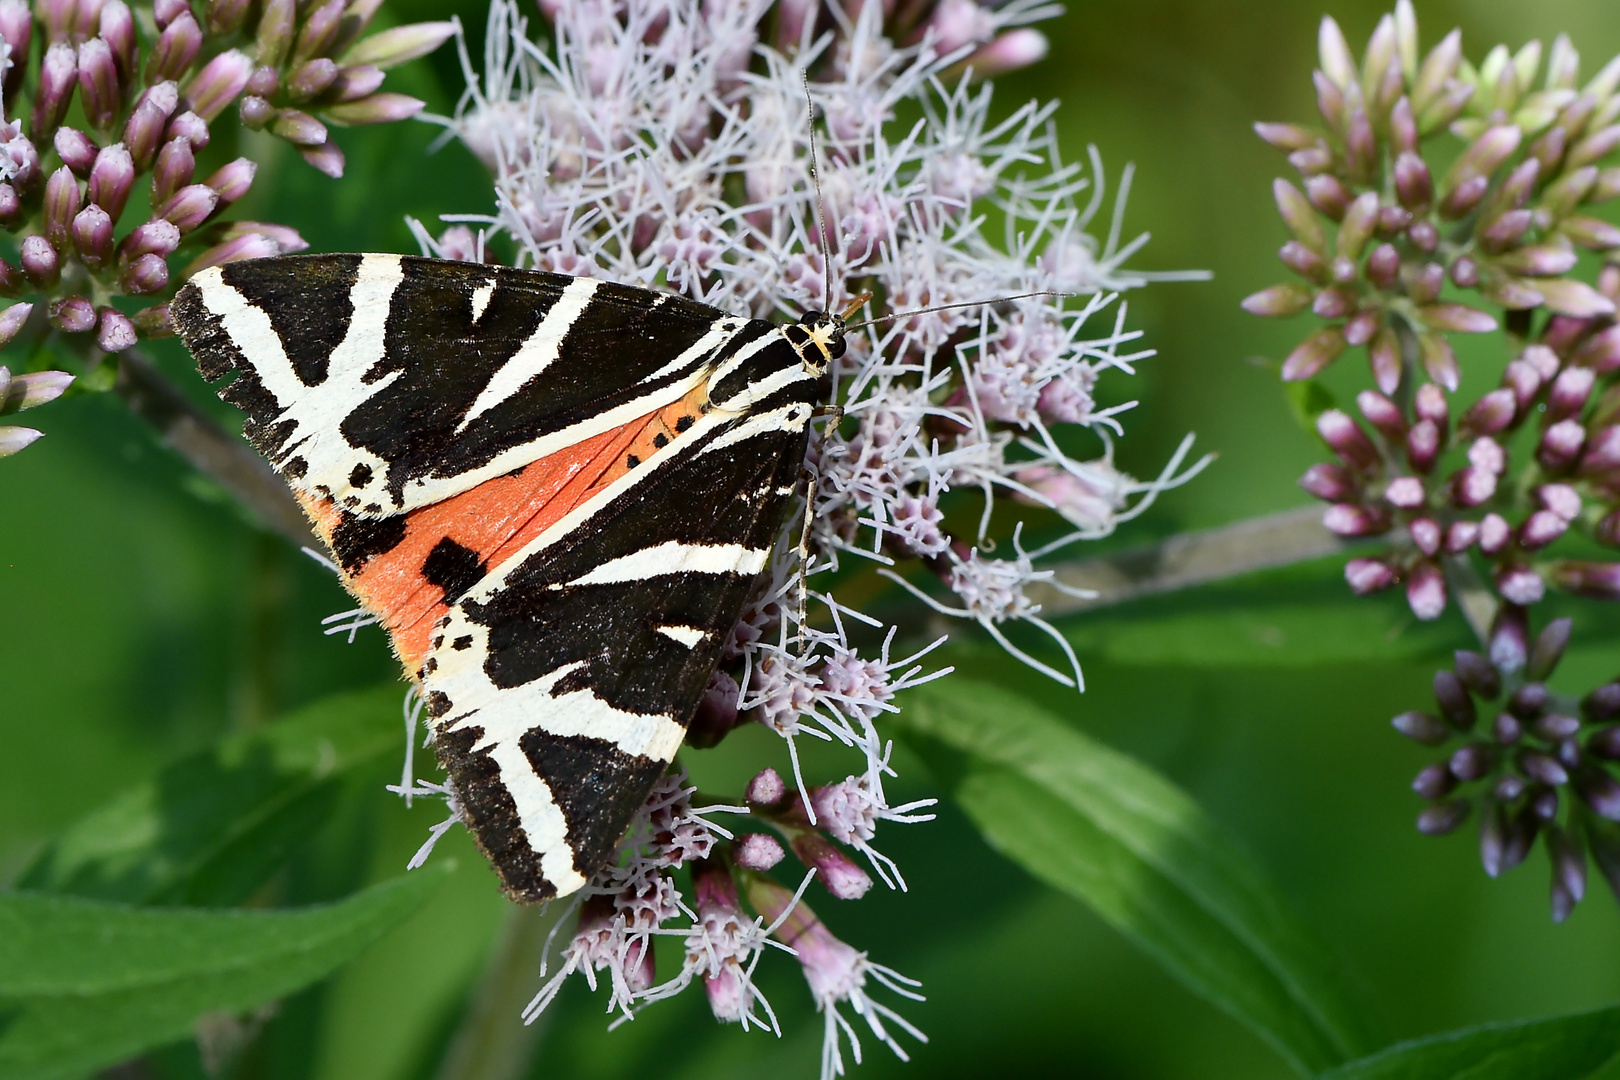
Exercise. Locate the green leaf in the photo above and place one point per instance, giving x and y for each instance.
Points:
(85, 983)
(1307, 400)
(1109, 831)
(211, 828)
(1562, 1048)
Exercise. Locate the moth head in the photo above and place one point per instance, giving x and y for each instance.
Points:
(820, 337)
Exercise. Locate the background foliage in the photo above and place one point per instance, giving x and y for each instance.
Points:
(147, 620)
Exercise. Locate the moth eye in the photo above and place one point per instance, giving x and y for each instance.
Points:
(835, 348)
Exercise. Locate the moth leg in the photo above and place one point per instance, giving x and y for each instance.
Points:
(812, 481)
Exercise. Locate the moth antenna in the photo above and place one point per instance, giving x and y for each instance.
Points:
(821, 208)
(854, 305)
(952, 307)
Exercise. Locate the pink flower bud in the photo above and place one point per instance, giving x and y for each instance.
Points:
(147, 274)
(1560, 499)
(1384, 358)
(117, 29)
(1424, 236)
(154, 322)
(1414, 186)
(1505, 231)
(1599, 791)
(114, 331)
(286, 239)
(12, 320)
(76, 150)
(99, 92)
(1561, 445)
(1333, 303)
(1471, 486)
(227, 16)
(392, 47)
(1403, 132)
(275, 33)
(190, 127)
(1577, 299)
(354, 83)
(311, 78)
(155, 237)
(1360, 219)
(1439, 361)
(1490, 414)
(1423, 446)
(73, 314)
(1384, 266)
(1287, 137)
(1368, 576)
(1354, 520)
(1509, 639)
(1313, 354)
(143, 132)
(1426, 591)
(250, 246)
(1593, 147)
(1010, 51)
(173, 169)
(757, 851)
(176, 48)
(218, 83)
(165, 12)
(1425, 533)
(1464, 197)
(1597, 580)
(264, 82)
(15, 439)
(1300, 217)
(376, 109)
(58, 75)
(1569, 393)
(1393, 220)
(1456, 317)
(1345, 437)
(190, 206)
(232, 181)
(1303, 261)
(766, 789)
(320, 27)
(835, 870)
(1603, 451)
(1519, 584)
(62, 201)
(1328, 194)
(1460, 536)
(1406, 493)
(111, 178)
(40, 261)
(1494, 534)
(1488, 454)
(1277, 301)
(12, 282)
(1539, 530)
(1425, 283)
(1330, 483)
(1363, 325)
(17, 29)
(93, 236)
(1383, 414)
(1524, 381)
(298, 128)
(255, 111)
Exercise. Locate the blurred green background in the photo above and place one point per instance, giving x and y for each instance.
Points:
(146, 616)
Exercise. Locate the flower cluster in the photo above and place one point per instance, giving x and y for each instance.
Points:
(1543, 766)
(667, 145)
(1504, 227)
(148, 86)
(1499, 241)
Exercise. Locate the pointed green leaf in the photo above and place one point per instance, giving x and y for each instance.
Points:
(86, 983)
(1562, 1048)
(1111, 832)
(211, 828)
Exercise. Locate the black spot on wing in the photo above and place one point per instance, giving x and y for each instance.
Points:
(597, 786)
(453, 568)
(360, 475)
(307, 301)
(357, 540)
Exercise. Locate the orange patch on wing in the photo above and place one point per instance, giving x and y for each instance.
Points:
(495, 520)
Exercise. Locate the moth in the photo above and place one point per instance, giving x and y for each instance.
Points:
(556, 494)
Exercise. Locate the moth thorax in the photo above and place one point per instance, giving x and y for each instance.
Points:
(818, 338)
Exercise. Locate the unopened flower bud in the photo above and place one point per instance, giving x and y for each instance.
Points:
(1593, 147)
(1600, 791)
(12, 320)
(1600, 352)
(1561, 445)
(319, 28)
(1524, 381)
(311, 78)
(111, 178)
(1565, 296)
(1597, 580)
(1333, 303)
(1464, 197)
(146, 274)
(1444, 817)
(17, 29)
(1345, 437)
(1503, 232)
(227, 16)
(218, 83)
(392, 47)
(1476, 673)
(1300, 217)
(1490, 414)
(1303, 261)
(1494, 534)
(255, 111)
(1555, 727)
(1428, 730)
(143, 131)
(1470, 762)
(1384, 266)
(155, 237)
(1423, 446)
(1528, 700)
(114, 331)
(76, 150)
(1509, 639)
(73, 314)
(249, 246)
(1425, 283)
(165, 12)
(173, 169)
(58, 75)
(14, 439)
(190, 127)
(1328, 194)
(1541, 529)
(1383, 414)
(355, 82)
(1519, 584)
(1602, 451)
(117, 29)
(1506, 729)
(377, 109)
(232, 181)
(93, 235)
(1384, 357)
(40, 261)
(1460, 536)
(1603, 744)
(1414, 185)
(190, 206)
(1472, 486)
(1368, 576)
(1465, 272)
(62, 201)
(1406, 493)
(1354, 520)
(836, 870)
(1278, 301)
(1287, 137)
(298, 128)
(154, 322)
(1543, 359)
(766, 789)
(175, 49)
(1424, 236)
(1543, 768)
(1331, 483)
(1455, 703)
(1426, 591)
(1392, 221)
(1363, 325)
(1425, 533)
(98, 83)
(1459, 318)
(10, 205)
(1569, 392)
(1548, 650)
(757, 851)
(1313, 354)
(328, 159)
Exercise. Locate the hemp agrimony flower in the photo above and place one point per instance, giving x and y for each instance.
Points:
(1397, 258)
(151, 85)
(666, 145)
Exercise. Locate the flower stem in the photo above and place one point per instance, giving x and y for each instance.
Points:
(219, 455)
(1189, 559)
(492, 1042)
